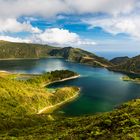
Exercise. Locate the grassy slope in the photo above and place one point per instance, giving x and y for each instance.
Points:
(132, 66)
(88, 58)
(20, 98)
(131, 78)
(24, 50)
(17, 119)
(119, 60)
(122, 123)
(81, 56)
(20, 101)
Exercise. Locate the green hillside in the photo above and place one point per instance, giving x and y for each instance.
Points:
(119, 60)
(19, 97)
(24, 50)
(23, 95)
(23, 98)
(132, 66)
(120, 124)
(81, 56)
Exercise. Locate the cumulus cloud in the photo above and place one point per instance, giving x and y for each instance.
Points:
(60, 37)
(52, 36)
(57, 36)
(12, 25)
(115, 25)
(45, 8)
(48, 8)
(117, 20)
(14, 39)
(112, 7)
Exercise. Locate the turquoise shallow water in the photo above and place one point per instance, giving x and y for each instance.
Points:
(101, 90)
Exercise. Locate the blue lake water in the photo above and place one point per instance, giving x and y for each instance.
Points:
(101, 90)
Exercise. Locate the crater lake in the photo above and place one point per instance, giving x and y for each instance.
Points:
(101, 90)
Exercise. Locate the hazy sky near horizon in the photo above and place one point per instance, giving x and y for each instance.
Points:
(103, 25)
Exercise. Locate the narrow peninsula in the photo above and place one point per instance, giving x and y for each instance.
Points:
(23, 94)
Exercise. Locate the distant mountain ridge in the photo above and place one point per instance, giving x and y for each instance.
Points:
(10, 50)
(26, 50)
(132, 66)
(23, 50)
(119, 60)
(80, 56)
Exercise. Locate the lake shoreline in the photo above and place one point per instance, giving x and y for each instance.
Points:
(128, 79)
(4, 59)
(124, 72)
(50, 109)
(86, 64)
(4, 71)
(62, 80)
(90, 76)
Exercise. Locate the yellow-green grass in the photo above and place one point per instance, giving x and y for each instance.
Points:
(127, 78)
(21, 100)
(27, 97)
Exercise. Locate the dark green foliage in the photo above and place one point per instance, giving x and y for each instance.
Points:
(19, 121)
(48, 77)
(26, 97)
(132, 66)
(21, 100)
(82, 56)
(24, 50)
(119, 60)
(120, 124)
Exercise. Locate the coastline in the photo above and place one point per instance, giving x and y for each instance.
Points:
(86, 64)
(51, 108)
(124, 72)
(18, 59)
(62, 80)
(36, 58)
(127, 79)
(65, 79)
(4, 71)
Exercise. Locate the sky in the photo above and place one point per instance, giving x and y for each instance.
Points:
(94, 25)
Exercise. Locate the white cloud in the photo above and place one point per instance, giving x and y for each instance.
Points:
(14, 39)
(52, 36)
(113, 7)
(118, 11)
(115, 25)
(45, 8)
(12, 25)
(86, 42)
(49, 8)
(60, 37)
(57, 36)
